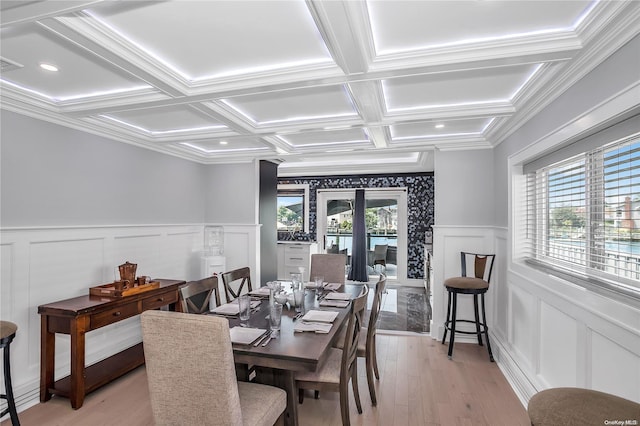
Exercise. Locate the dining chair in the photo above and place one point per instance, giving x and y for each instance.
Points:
(380, 255)
(190, 374)
(195, 296)
(330, 266)
(341, 364)
(476, 285)
(367, 339)
(231, 279)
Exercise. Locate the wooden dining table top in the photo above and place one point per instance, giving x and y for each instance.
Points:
(294, 351)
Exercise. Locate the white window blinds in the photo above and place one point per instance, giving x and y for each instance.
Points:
(583, 213)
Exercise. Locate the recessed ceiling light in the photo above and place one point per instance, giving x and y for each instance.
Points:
(439, 126)
(48, 67)
(223, 142)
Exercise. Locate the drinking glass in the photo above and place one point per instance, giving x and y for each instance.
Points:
(280, 298)
(298, 300)
(319, 285)
(275, 318)
(296, 280)
(244, 304)
(319, 281)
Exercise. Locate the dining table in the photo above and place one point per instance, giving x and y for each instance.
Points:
(277, 362)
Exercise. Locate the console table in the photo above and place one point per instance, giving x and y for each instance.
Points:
(78, 316)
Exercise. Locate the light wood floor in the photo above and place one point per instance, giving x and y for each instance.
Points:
(419, 385)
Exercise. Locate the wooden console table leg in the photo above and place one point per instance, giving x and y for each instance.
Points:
(47, 358)
(78, 331)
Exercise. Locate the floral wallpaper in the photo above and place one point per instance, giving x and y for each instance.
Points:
(420, 208)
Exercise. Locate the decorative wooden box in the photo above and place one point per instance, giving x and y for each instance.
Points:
(109, 290)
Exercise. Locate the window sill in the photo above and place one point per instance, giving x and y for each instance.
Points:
(599, 286)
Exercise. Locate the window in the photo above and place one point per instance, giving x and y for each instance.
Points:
(583, 214)
(293, 209)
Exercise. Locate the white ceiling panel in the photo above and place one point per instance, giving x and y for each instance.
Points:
(164, 121)
(455, 88)
(231, 145)
(81, 74)
(438, 128)
(295, 106)
(204, 40)
(328, 139)
(401, 26)
(320, 87)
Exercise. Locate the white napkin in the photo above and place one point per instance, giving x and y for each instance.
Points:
(332, 286)
(262, 291)
(338, 296)
(245, 335)
(335, 303)
(227, 309)
(254, 303)
(320, 316)
(317, 327)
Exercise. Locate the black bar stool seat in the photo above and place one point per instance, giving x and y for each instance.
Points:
(7, 333)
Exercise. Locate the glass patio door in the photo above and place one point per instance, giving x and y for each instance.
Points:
(385, 217)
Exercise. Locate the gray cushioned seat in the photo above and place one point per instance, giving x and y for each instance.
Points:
(575, 406)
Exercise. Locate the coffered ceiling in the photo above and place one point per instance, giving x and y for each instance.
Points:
(320, 86)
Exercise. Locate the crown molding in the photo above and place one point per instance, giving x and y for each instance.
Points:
(625, 25)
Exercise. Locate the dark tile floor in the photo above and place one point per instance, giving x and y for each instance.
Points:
(403, 309)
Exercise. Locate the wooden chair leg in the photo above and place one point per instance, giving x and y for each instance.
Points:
(356, 392)
(374, 356)
(372, 389)
(344, 404)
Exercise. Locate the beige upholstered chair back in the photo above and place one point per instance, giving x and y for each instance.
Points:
(190, 369)
(330, 266)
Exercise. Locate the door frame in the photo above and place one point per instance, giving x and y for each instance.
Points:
(399, 193)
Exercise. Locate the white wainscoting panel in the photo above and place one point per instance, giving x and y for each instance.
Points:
(242, 248)
(613, 368)
(557, 346)
(565, 335)
(43, 265)
(522, 328)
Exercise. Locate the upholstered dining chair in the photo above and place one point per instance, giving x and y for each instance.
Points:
(189, 362)
(195, 296)
(330, 266)
(341, 365)
(481, 266)
(367, 339)
(380, 255)
(236, 278)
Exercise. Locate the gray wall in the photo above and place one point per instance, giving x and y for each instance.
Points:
(232, 193)
(464, 191)
(55, 176)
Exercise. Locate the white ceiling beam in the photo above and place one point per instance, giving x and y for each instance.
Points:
(15, 12)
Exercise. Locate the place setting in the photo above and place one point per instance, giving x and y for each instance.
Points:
(316, 321)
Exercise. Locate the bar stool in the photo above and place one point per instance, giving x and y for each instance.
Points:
(576, 406)
(476, 285)
(7, 333)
